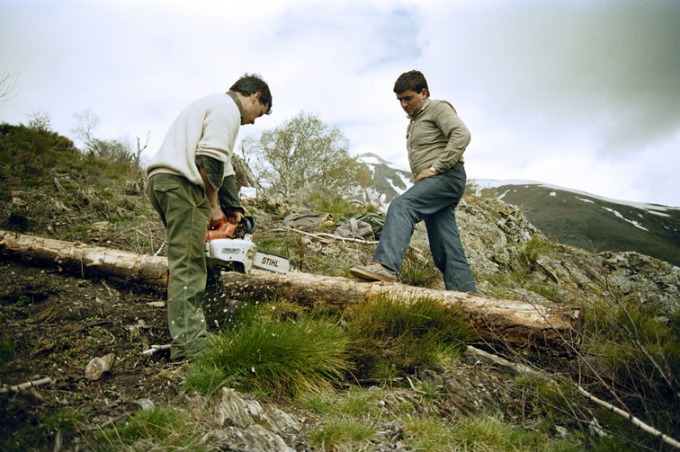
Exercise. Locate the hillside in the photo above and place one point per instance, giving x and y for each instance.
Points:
(52, 324)
(593, 223)
(388, 182)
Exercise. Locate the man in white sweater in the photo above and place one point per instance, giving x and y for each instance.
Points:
(191, 185)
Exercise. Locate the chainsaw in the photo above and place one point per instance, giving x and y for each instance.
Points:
(230, 246)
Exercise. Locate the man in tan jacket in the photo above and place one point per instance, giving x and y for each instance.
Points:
(436, 139)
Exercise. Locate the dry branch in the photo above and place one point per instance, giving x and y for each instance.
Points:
(26, 385)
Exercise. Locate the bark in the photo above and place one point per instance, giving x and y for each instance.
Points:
(86, 260)
(547, 328)
(244, 176)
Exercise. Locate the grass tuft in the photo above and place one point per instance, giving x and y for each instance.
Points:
(164, 427)
(279, 357)
(391, 337)
(419, 271)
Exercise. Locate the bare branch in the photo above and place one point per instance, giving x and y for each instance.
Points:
(8, 87)
(28, 384)
(635, 421)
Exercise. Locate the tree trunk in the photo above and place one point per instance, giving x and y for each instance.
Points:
(244, 176)
(547, 328)
(86, 260)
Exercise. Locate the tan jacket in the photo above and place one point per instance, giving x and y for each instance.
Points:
(436, 137)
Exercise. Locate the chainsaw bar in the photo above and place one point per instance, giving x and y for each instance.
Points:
(242, 256)
(271, 262)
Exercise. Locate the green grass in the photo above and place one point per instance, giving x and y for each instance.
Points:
(7, 351)
(342, 433)
(356, 402)
(478, 433)
(280, 358)
(390, 337)
(65, 421)
(164, 427)
(348, 422)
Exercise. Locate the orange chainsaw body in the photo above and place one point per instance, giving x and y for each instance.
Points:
(224, 230)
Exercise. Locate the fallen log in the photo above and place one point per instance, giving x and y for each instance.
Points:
(546, 328)
(86, 260)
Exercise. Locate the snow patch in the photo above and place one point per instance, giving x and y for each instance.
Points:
(495, 183)
(618, 215)
(653, 212)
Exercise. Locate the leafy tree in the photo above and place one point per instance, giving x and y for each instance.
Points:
(304, 155)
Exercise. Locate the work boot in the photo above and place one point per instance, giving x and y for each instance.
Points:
(374, 271)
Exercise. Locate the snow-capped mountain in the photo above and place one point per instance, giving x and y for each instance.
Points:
(593, 222)
(388, 182)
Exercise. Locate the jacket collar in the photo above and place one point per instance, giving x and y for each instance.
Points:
(237, 101)
(425, 105)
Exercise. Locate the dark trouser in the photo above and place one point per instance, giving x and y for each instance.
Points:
(185, 211)
(432, 199)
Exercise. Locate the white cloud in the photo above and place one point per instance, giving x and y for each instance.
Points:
(579, 94)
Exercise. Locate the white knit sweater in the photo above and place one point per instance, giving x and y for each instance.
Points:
(207, 126)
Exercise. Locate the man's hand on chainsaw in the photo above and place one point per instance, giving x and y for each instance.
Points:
(235, 217)
(216, 217)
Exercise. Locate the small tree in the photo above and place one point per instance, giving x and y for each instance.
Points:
(304, 155)
(40, 121)
(119, 150)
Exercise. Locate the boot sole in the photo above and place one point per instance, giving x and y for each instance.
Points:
(370, 276)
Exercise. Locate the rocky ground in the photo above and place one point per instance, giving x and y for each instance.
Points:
(57, 323)
(53, 324)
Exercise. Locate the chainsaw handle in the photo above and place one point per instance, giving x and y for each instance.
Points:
(223, 230)
(248, 224)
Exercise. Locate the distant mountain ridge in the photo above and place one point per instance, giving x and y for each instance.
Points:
(388, 182)
(592, 222)
(568, 216)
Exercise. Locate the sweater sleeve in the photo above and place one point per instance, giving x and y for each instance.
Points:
(220, 128)
(458, 135)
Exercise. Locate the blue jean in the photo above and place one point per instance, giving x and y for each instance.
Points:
(432, 199)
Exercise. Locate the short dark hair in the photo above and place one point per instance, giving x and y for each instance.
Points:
(251, 84)
(414, 80)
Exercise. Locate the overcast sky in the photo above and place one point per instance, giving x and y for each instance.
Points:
(580, 94)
